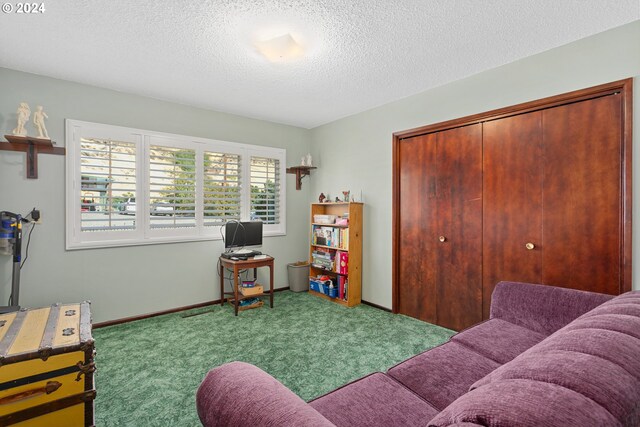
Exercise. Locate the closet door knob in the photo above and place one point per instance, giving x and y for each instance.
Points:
(530, 246)
(442, 239)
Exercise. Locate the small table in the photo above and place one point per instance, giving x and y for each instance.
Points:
(236, 266)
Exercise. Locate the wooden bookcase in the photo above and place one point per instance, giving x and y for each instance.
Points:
(353, 248)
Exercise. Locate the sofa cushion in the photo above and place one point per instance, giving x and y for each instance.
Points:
(628, 304)
(444, 373)
(600, 380)
(524, 403)
(595, 356)
(622, 323)
(616, 347)
(498, 340)
(375, 400)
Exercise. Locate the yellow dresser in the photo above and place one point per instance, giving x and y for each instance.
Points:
(46, 367)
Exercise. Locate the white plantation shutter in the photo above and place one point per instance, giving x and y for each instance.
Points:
(129, 186)
(107, 181)
(172, 187)
(265, 189)
(221, 191)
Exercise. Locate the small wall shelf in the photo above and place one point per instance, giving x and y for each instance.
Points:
(32, 146)
(300, 172)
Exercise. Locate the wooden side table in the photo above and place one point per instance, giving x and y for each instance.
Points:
(236, 266)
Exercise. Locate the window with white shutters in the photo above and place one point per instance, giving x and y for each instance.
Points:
(107, 185)
(136, 187)
(172, 187)
(265, 190)
(221, 192)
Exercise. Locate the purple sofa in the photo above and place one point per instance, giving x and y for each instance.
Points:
(547, 356)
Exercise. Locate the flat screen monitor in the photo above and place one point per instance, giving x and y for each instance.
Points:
(242, 234)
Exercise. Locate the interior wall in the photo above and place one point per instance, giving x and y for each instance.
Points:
(355, 152)
(126, 281)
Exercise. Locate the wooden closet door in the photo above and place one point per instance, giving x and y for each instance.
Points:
(459, 227)
(417, 226)
(512, 211)
(582, 208)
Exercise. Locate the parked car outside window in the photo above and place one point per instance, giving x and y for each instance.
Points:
(162, 208)
(128, 207)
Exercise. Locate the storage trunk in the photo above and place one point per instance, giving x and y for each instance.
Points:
(46, 367)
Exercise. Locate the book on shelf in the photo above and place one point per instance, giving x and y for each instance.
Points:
(344, 238)
(342, 262)
(326, 236)
(341, 288)
(323, 258)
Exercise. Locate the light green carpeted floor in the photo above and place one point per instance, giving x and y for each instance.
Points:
(149, 370)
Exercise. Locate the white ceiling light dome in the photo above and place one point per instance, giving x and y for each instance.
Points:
(280, 48)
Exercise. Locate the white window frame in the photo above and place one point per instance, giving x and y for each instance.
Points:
(143, 234)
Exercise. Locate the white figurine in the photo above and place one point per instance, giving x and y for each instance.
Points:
(38, 121)
(309, 160)
(24, 112)
(303, 161)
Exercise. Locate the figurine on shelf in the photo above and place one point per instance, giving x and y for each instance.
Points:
(337, 200)
(303, 161)
(308, 162)
(38, 121)
(24, 112)
(346, 195)
(321, 198)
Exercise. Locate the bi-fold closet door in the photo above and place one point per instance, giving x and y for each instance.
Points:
(542, 197)
(440, 250)
(552, 198)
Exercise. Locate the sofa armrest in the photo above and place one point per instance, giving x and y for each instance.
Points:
(541, 308)
(240, 394)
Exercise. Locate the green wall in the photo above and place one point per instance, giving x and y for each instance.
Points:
(126, 281)
(352, 153)
(355, 152)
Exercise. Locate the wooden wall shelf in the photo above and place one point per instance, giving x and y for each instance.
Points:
(300, 172)
(32, 146)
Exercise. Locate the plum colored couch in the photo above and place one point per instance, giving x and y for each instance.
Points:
(547, 356)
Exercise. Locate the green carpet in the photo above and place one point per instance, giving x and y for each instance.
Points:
(149, 370)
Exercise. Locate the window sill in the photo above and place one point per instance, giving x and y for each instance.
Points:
(153, 241)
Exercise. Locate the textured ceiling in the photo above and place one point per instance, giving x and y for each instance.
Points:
(359, 54)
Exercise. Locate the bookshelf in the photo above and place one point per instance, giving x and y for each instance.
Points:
(331, 244)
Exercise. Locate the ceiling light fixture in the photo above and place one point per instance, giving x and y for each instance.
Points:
(280, 48)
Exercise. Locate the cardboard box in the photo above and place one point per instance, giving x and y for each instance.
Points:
(255, 290)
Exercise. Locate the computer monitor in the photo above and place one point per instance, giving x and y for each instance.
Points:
(242, 234)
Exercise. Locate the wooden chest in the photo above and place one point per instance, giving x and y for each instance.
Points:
(46, 367)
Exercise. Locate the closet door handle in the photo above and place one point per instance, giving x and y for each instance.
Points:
(442, 239)
(530, 246)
